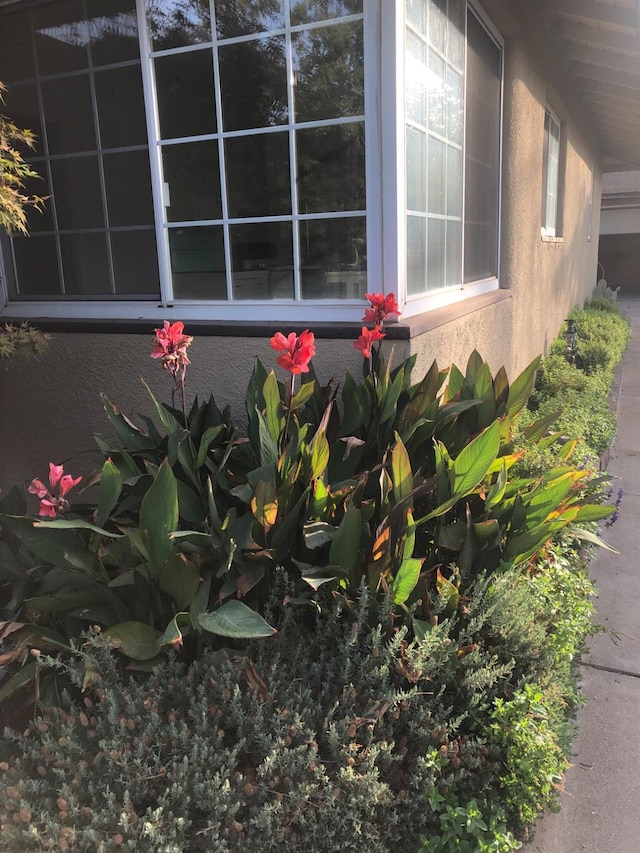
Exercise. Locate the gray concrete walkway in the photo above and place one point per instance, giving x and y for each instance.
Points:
(601, 802)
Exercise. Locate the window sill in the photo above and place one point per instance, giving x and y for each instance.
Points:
(402, 330)
(548, 238)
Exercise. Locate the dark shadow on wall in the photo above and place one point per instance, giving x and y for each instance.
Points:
(619, 256)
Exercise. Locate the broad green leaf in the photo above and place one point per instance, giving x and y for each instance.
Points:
(137, 640)
(15, 682)
(66, 600)
(75, 524)
(165, 417)
(390, 400)
(539, 429)
(591, 512)
(264, 505)
(357, 403)
(304, 393)
(406, 579)
(180, 579)
(159, 516)
(474, 366)
(268, 445)
(423, 395)
(448, 592)
(473, 462)
(521, 388)
(58, 547)
(345, 546)
(175, 630)
(593, 538)
(235, 619)
(318, 533)
(128, 433)
(455, 383)
(524, 545)
(208, 437)
(496, 492)
(319, 455)
(273, 416)
(401, 473)
(110, 488)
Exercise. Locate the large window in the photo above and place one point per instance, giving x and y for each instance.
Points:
(453, 85)
(226, 158)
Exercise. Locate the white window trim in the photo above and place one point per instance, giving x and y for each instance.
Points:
(546, 230)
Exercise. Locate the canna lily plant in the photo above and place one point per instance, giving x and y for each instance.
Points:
(405, 487)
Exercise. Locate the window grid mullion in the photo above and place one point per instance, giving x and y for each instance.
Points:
(293, 162)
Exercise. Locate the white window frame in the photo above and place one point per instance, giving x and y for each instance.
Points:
(421, 303)
(551, 223)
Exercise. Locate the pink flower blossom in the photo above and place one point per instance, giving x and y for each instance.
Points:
(381, 307)
(296, 351)
(366, 340)
(170, 345)
(50, 504)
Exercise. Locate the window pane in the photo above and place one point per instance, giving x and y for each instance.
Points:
(121, 113)
(242, 19)
(438, 24)
(16, 48)
(416, 12)
(192, 181)
(416, 170)
(135, 263)
(68, 114)
(437, 154)
(482, 154)
(416, 79)
(85, 264)
(61, 37)
(128, 184)
(174, 23)
(253, 80)
(454, 253)
(304, 11)
(328, 66)
(436, 94)
(416, 254)
(334, 258)
(77, 193)
(37, 265)
(258, 180)
(21, 104)
(436, 246)
(454, 181)
(197, 262)
(262, 260)
(455, 33)
(39, 220)
(113, 31)
(331, 168)
(186, 103)
(455, 106)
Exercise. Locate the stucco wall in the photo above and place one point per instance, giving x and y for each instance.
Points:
(49, 409)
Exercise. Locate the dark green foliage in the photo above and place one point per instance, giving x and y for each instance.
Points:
(328, 737)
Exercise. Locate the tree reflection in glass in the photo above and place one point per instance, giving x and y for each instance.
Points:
(246, 17)
(176, 23)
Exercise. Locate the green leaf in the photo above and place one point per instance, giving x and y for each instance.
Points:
(180, 579)
(268, 445)
(304, 393)
(539, 429)
(319, 455)
(235, 619)
(496, 492)
(175, 630)
(406, 579)
(391, 398)
(273, 407)
(110, 488)
(75, 524)
(520, 389)
(208, 437)
(165, 417)
(473, 462)
(264, 505)
(137, 640)
(592, 512)
(128, 433)
(345, 546)
(159, 516)
(15, 682)
(357, 402)
(401, 474)
(318, 533)
(593, 538)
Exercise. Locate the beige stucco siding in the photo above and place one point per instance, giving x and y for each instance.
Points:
(50, 409)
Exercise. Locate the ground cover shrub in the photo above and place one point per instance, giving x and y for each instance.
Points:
(329, 736)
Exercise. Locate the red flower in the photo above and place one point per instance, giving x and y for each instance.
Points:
(50, 505)
(296, 351)
(381, 307)
(366, 340)
(170, 344)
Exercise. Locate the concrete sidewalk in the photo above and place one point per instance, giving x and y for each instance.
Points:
(601, 802)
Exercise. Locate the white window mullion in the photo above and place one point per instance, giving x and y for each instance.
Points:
(155, 157)
(293, 164)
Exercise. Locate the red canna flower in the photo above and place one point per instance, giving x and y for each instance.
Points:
(381, 307)
(50, 504)
(170, 344)
(296, 351)
(366, 340)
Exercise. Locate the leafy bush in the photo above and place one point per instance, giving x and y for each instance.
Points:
(327, 737)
